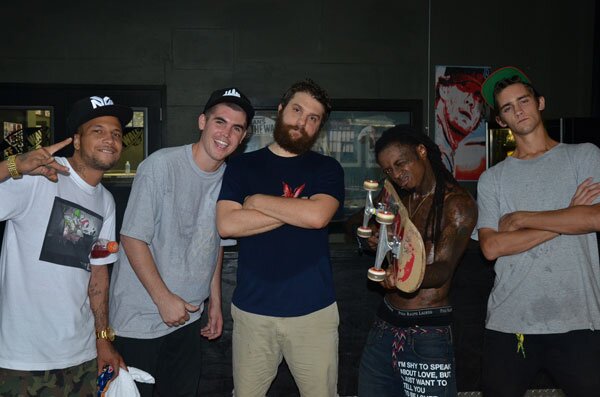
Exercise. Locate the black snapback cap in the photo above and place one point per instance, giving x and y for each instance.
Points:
(96, 106)
(231, 95)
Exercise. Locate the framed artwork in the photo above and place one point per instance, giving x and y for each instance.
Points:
(460, 119)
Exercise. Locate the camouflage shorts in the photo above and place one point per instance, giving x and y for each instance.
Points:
(76, 381)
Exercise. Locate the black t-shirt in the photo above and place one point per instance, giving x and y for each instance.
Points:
(285, 272)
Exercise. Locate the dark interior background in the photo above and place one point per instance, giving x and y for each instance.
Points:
(183, 50)
(355, 49)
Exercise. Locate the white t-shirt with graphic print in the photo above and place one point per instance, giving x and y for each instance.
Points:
(45, 316)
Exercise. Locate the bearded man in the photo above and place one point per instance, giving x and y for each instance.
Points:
(278, 201)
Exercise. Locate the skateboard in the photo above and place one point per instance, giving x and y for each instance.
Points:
(399, 239)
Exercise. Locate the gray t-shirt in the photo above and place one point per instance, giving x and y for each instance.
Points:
(555, 286)
(172, 208)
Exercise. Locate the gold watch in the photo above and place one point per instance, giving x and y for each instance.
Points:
(12, 167)
(107, 333)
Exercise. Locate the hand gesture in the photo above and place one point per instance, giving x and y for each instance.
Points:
(42, 162)
(214, 326)
(174, 311)
(586, 193)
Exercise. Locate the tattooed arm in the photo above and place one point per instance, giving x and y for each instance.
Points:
(37, 162)
(98, 294)
(460, 217)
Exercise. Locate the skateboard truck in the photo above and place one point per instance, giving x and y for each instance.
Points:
(399, 240)
(370, 186)
(384, 218)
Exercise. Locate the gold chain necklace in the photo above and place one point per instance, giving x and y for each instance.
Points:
(412, 213)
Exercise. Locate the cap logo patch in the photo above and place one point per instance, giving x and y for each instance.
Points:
(232, 92)
(97, 101)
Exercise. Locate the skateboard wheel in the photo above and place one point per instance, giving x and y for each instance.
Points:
(371, 185)
(375, 274)
(363, 232)
(385, 217)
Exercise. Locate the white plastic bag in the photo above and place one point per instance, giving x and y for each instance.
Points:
(124, 384)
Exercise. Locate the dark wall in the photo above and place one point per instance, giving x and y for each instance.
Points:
(375, 49)
(553, 42)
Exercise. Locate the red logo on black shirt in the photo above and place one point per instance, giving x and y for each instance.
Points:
(287, 190)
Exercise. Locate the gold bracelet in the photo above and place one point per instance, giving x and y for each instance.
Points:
(12, 167)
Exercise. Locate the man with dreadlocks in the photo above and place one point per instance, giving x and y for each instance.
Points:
(409, 348)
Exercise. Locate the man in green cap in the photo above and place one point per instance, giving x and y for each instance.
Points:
(538, 211)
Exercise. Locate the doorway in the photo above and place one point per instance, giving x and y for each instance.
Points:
(36, 115)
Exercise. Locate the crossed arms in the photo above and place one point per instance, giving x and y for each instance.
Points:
(262, 213)
(522, 230)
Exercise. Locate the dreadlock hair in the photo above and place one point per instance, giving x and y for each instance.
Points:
(404, 135)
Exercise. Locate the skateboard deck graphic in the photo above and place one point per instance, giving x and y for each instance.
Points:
(407, 263)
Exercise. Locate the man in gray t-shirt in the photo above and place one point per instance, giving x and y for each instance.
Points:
(538, 211)
(172, 260)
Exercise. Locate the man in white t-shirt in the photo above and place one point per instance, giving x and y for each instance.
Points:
(54, 333)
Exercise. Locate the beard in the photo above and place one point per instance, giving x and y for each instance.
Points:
(102, 165)
(282, 136)
(98, 164)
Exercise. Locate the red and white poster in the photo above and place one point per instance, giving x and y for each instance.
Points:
(459, 119)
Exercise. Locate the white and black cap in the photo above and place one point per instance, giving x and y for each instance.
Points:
(231, 95)
(89, 108)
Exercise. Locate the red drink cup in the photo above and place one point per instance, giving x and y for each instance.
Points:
(104, 248)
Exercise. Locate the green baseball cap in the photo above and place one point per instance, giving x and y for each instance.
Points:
(507, 72)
